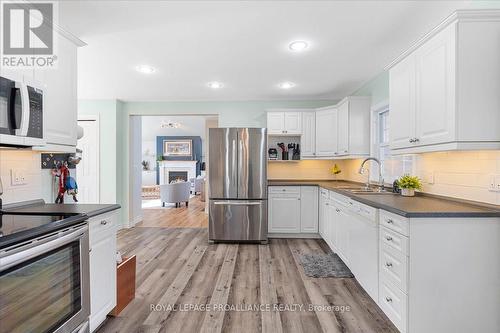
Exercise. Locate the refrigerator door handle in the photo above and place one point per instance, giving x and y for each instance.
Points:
(238, 203)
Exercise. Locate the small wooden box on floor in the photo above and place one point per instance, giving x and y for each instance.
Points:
(125, 284)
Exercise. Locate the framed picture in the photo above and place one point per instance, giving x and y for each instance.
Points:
(177, 147)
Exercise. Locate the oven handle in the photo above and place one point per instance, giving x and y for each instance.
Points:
(41, 246)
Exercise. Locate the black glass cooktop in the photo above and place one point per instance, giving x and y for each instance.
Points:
(16, 223)
(15, 228)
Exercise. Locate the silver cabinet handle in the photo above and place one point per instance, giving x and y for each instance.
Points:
(389, 221)
(389, 238)
(388, 264)
(298, 198)
(327, 204)
(411, 140)
(337, 210)
(416, 140)
(104, 222)
(284, 190)
(388, 299)
(345, 151)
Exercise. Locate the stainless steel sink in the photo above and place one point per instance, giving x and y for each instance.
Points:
(364, 190)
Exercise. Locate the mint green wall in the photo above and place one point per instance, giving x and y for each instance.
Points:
(377, 88)
(114, 129)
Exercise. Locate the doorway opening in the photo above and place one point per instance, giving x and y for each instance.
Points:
(169, 156)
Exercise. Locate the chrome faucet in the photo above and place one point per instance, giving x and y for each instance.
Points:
(380, 178)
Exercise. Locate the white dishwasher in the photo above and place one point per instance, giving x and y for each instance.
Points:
(364, 240)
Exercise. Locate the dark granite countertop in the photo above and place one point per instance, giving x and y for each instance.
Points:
(39, 207)
(419, 206)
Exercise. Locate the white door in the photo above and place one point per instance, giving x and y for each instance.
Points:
(275, 122)
(402, 103)
(326, 132)
(309, 209)
(284, 213)
(435, 89)
(87, 171)
(293, 122)
(343, 126)
(308, 139)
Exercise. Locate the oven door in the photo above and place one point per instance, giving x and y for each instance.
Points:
(45, 283)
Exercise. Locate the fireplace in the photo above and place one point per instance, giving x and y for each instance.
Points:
(176, 176)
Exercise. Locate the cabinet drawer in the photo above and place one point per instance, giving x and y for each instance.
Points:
(394, 222)
(394, 240)
(394, 303)
(102, 226)
(394, 267)
(284, 189)
(340, 198)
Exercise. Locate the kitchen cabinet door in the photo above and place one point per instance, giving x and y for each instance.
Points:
(275, 122)
(284, 213)
(333, 220)
(342, 234)
(435, 89)
(60, 95)
(309, 209)
(326, 132)
(308, 139)
(343, 129)
(293, 123)
(402, 103)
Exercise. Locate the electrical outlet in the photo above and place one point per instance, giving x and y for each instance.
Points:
(494, 183)
(17, 177)
(429, 177)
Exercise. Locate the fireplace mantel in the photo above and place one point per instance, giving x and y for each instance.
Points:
(167, 166)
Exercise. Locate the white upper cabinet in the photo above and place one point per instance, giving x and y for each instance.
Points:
(275, 122)
(444, 90)
(60, 95)
(326, 132)
(281, 122)
(435, 89)
(308, 140)
(343, 128)
(402, 103)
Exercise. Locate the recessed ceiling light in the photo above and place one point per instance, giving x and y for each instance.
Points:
(145, 69)
(298, 46)
(214, 85)
(286, 85)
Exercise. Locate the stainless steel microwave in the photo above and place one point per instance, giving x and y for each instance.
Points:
(21, 113)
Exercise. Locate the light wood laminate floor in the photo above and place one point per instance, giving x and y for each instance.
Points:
(193, 216)
(176, 267)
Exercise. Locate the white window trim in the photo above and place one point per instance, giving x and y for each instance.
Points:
(375, 111)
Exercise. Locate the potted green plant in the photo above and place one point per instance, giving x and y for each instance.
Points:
(408, 184)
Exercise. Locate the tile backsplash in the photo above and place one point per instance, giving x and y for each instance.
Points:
(38, 182)
(464, 175)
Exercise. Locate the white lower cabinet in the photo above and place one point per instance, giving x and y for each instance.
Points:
(293, 210)
(102, 238)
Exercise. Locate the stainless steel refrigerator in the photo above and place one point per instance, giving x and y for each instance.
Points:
(237, 177)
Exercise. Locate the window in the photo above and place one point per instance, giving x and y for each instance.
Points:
(392, 166)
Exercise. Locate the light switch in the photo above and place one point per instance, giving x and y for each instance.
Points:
(18, 177)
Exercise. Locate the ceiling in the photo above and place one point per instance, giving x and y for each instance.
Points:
(243, 44)
(188, 126)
